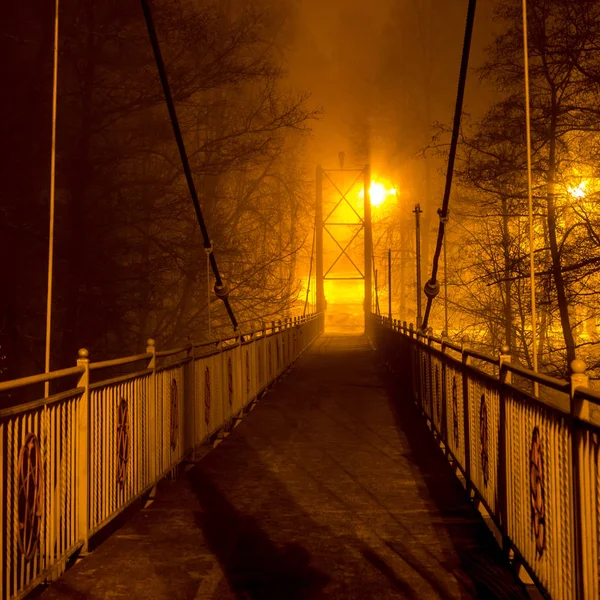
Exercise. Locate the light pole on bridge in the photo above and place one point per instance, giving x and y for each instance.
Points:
(418, 212)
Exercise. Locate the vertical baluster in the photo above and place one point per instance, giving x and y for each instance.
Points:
(83, 449)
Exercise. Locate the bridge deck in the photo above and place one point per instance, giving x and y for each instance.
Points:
(325, 490)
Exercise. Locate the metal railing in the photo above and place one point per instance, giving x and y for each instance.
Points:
(70, 463)
(531, 460)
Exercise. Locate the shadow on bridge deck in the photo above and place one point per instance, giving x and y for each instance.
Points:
(327, 490)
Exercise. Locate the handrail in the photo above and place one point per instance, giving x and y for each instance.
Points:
(480, 355)
(115, 362)
(67, 436)
(452, 346)
(29, 406)
(165, 353)
(514, 449)
(120, 378)
(588, 394)
(553, 382)
(41, 378)
(205, 344)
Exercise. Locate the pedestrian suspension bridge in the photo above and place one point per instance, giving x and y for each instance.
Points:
(287, 462)
(436, 477)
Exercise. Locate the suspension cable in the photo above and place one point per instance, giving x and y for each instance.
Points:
(312, 250)
(221, 288)
(432, 287)
(529, 196)
(52, 202)
(377, 311)
(208, 252)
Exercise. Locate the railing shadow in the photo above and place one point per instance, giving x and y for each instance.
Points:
(254, 565)
(481, 559)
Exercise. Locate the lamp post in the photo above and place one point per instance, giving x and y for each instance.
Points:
(390, 284)
(418, 212)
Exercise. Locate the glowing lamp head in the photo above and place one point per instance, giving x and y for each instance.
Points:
(378, 193)
(578, 191)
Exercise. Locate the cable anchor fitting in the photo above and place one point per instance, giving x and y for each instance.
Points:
(432, 289)
(222, 291)
(442, 218)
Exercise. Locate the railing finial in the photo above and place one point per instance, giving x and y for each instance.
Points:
(578, 376)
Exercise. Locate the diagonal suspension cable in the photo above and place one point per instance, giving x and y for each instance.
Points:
(52, 201)
(432, 287)
(221, 289)
(529, 197)
(312, 252)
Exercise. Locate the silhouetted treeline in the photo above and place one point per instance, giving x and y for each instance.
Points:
(129, 261)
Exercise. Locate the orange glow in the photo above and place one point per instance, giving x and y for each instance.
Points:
(378, 193)
(345, 292)
(578, 191)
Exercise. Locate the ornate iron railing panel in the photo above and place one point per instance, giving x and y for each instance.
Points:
(539, 495)
(120, 445)
(133, 429)
(455, 413)
(532, 461)
(484, 426)
(38, 497)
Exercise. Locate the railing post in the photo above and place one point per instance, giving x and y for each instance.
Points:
(296, 338)
(429, 335)
(415, 368)
(466, 410)
(504, 462)
(189, 402)
(579, 377)
(444, 398)
(152, 419)
(262, 356)
(240, 387)
(581, 534)
(83, 451)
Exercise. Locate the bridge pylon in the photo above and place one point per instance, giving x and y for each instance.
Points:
(333, 227)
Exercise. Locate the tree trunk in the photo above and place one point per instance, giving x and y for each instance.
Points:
(508, 312)
(561, 293)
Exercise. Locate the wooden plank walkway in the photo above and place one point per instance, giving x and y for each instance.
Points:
(328, 489)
